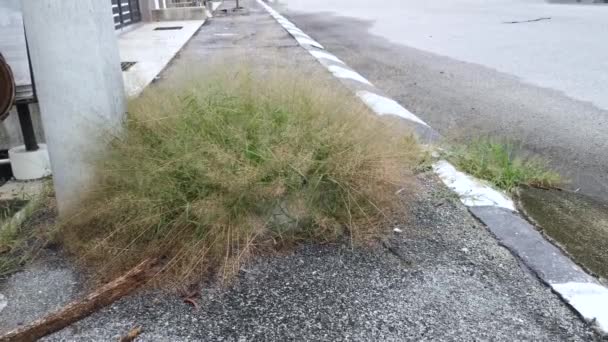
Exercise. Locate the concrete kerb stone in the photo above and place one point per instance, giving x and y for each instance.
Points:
(343, 72)
(325, 55)
(584, 293)
(382, 105)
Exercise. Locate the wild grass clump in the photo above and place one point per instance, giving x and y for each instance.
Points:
(500, 164)
(215, 167)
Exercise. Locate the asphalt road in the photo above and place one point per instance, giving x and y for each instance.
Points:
(463, 69)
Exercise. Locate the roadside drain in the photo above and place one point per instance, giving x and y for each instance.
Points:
(578, 223)
(125, 66)
(168, 28)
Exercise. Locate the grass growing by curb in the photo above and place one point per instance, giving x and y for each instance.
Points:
(498, 163)
(216, 167)
(12, 237)
(20, 237)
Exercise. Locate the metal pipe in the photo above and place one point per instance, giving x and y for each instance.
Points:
(27, 127)
(5, 161)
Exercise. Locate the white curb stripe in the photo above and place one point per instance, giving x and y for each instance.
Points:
(341, 72)
(299, 33)
(325, 55)
(472, 192)
(286, 22)
(589, 299)
(288, 25)
(384, 106)
(308, 41)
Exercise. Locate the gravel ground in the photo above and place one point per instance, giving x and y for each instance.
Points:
(444, 278)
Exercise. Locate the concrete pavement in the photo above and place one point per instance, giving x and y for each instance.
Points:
(151, 46)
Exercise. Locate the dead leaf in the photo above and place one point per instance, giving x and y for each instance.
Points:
(132, 335)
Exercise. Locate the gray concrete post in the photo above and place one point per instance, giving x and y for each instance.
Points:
(76, 66)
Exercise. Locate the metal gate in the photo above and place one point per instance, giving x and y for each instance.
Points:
(126, 12)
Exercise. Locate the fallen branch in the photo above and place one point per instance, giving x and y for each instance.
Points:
(79, 309)
(527, 21)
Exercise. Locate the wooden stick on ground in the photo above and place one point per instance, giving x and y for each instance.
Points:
(79, 309)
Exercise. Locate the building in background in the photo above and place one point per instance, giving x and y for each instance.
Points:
(127, 15)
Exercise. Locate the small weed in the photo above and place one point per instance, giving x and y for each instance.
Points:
(498, 163)
(21, 236)
(443, 194)
(214, 167)
(425, 162)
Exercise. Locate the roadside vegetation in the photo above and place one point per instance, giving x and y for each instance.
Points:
(499, 163)
(216, 167)
(24, 230)
(12, 239)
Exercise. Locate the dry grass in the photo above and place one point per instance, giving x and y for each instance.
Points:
(216, 167)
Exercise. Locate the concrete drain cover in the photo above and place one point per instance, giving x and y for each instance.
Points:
(168, 28)
(3, 302)
(124, 66)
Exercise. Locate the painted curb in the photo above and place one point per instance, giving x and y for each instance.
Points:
(585, 294)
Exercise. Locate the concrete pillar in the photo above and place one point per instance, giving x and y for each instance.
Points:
(76, 65)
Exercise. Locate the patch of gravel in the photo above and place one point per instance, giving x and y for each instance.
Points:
(44, 286)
